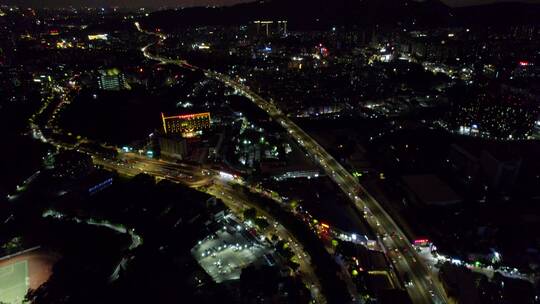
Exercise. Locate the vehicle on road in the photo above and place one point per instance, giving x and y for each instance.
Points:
(407, 280)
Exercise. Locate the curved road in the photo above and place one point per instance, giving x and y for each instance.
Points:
(131, 164)
(426, 288)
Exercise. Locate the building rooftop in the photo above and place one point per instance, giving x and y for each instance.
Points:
(226, 252)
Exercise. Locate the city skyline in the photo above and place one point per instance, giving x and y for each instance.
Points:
(187, 3)
(285, 151)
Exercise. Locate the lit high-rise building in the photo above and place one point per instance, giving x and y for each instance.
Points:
(271, 28)
(189, 125)
(111, 80)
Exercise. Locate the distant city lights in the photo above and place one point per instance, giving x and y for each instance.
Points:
(98, 37)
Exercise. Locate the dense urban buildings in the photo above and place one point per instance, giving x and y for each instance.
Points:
(277, 151)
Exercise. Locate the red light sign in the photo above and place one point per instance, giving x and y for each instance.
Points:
(524, 63)
(421, 241)
(188, 116)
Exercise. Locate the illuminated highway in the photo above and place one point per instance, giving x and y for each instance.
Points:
(211, 182)
(238, 201)
(206, 180)
(426, 288)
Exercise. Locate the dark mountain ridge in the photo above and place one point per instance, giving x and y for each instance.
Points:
(321, 14)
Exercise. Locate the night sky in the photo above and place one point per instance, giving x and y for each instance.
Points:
(157, 3)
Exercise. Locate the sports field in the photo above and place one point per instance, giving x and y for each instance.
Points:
(14, 282)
